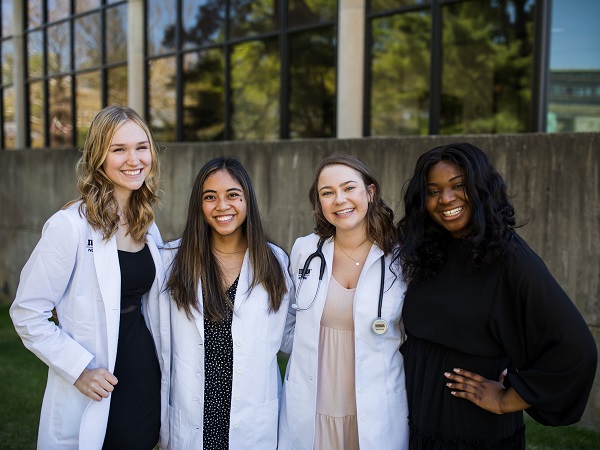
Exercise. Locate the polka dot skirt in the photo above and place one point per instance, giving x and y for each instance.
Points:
(218, 368)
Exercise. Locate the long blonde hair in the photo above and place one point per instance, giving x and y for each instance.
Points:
(99, 205)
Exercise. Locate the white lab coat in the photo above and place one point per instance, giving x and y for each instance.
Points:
(76, 271)
(381, 404)
(256, 386)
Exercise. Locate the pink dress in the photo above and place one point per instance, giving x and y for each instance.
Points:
(335, 422)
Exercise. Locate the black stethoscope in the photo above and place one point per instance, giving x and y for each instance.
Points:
(379, 326)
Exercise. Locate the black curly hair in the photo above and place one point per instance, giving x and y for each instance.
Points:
(423, 243)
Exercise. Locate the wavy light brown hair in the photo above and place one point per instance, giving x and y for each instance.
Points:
(380, 217)
(196, 262)
(99, 205)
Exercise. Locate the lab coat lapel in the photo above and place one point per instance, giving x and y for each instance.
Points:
(106, 261)
(198, 316)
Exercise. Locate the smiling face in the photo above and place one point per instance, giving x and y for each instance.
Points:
(343, 197)
(447, 202)
(223, 204)
(128, 160)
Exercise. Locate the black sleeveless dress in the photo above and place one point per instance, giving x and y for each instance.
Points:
(134, 417)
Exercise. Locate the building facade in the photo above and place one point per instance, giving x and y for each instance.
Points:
(213, 70)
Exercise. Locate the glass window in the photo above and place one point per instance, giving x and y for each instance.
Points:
(400, 51)
(255, 83)
(117, 86)
(7, 18)
(116, 34)
(35, 54)
(251, 17)
(89, 102)
(162, 99)
(203, 96)
(58, 9)
(34, 13)
(160, 27)
(59, 106)
(88, 38)
(486, 67)
(312, 84)
(203, 22)
(307, 12)
(37, 125)
(378, 6)
(8, 53)
(59, 48)
(86, 5)
(574, 79)
(9, 127)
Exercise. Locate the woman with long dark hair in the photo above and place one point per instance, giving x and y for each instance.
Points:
(480, 301)
(229, 289)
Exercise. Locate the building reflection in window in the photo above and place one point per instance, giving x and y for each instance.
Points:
(61, 120)
(89, 101)
(161, 98)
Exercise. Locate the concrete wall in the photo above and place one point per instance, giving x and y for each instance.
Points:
(555, 180)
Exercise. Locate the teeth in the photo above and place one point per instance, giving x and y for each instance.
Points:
(132, 172)
(344, 211)
(223, 218)
(452, 212)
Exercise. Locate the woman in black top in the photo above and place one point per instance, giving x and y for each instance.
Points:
(480, 301)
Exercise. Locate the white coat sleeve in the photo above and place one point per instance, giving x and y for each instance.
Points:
(287, 342)
(44, 280)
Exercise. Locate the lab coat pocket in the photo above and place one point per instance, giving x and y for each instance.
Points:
(265, 425)
(396, 406)
(66, 410)
(174, 428)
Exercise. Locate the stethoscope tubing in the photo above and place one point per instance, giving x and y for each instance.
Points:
(319, 254)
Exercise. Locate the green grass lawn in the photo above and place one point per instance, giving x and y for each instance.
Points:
(24, 376)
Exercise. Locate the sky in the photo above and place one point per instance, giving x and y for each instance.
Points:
(575, 37)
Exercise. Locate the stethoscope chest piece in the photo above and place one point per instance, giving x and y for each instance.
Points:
(379, 326)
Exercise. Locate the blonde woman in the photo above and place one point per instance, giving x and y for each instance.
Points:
(97, 264)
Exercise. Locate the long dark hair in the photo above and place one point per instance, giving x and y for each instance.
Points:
(195, 259)
(423, 242)
(380, 217)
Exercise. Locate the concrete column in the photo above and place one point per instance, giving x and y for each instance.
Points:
(136, 84)
(351, 55)
(20, 53)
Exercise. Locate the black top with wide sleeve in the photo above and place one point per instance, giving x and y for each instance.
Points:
(513, 316)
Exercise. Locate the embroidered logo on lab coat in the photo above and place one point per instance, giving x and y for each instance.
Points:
(90, 246)
(305, 275)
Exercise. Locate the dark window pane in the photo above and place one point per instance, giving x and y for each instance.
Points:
(116, 34)
(35, 52)
(255, 90)
(574, 81)
(251, 17)
(37, 125)
(34, 13)
(7, 18)
(312, 84)
(8, 118)
(378, 6)
(117, 86)
(59, 48)
(400, 75)
(203, 22)
(161, 93)
(487, 63)
(203, 96)
(86, 5)
(7, 62)
(61, 116)
(88, 41)
(160, 27)
(89, 102)
(307, 12)
(57, 9)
